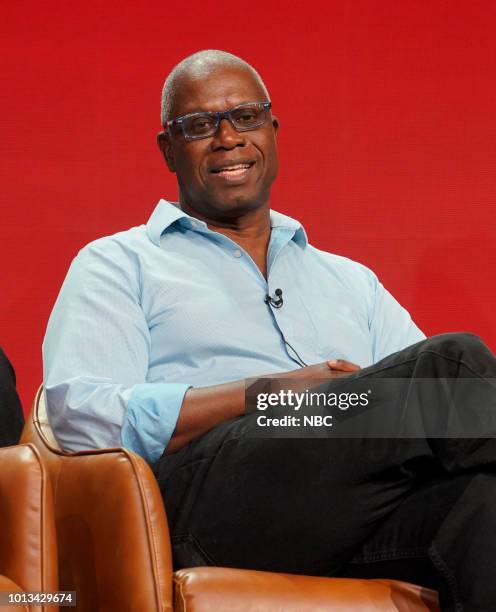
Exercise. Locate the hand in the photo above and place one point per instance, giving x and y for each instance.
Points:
(333, 368)
(301, 379)
(341, 367)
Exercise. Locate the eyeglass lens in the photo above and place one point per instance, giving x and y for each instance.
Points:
(243, 118)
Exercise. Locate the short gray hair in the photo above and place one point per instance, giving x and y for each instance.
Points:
(200, 63)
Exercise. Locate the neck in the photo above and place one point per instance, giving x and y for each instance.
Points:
(251, 231)
(252, 226)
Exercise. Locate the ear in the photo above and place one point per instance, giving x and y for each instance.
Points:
(165, 146)
(275, 124)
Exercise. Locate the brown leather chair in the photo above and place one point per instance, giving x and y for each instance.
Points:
(28, 553)
(112, 534)
(114, 548)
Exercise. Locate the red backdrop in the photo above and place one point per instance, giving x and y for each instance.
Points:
(387, 142)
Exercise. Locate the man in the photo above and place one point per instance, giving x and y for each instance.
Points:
(157, 329)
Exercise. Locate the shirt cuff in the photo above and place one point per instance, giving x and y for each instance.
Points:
(151, 416)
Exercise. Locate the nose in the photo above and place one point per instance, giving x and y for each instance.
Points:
(226, 137)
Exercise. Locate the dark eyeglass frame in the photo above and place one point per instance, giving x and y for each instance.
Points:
(218, 116)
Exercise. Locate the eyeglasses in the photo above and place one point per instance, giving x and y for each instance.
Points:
(243, 118)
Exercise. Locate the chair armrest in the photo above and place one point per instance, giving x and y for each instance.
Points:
(28, 551)
(112, 532)
(220, 589)
(113, 537)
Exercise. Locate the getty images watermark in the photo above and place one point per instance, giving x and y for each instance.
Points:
(367, 407)
(303, 400)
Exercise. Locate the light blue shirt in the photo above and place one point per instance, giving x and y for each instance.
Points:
(145, 314)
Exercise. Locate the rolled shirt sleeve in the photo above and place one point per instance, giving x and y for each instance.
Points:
(151, 417)
(96, 356)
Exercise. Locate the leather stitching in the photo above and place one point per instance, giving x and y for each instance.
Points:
(179, 584)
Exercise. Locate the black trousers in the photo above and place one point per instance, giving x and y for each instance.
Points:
(11, 415)
(418, 509)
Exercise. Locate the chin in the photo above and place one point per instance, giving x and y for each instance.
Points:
(236, 206)
(238, 198)
(233, 204)
(229, 203)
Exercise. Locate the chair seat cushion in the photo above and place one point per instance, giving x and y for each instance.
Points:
(217, 589)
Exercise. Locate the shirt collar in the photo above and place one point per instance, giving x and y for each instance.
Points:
(166, 213)
(278, 220)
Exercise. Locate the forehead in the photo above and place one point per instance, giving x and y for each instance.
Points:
(217, 90)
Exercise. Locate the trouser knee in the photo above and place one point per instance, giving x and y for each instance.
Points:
(455, 344)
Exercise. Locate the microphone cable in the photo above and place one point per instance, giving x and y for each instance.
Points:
(276, 303)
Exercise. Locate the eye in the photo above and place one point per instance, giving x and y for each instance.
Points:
(247, 115)
(200, 124)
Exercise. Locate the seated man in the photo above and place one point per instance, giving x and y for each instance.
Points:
(156, 330)
(11, 415)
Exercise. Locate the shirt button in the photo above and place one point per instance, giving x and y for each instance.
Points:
(237, 253)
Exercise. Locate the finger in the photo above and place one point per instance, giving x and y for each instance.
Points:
(342, 365)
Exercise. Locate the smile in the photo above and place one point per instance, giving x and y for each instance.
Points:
(233, 172)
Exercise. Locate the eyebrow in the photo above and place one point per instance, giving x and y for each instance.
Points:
(203, 110)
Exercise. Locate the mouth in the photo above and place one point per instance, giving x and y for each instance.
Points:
(237, 171)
